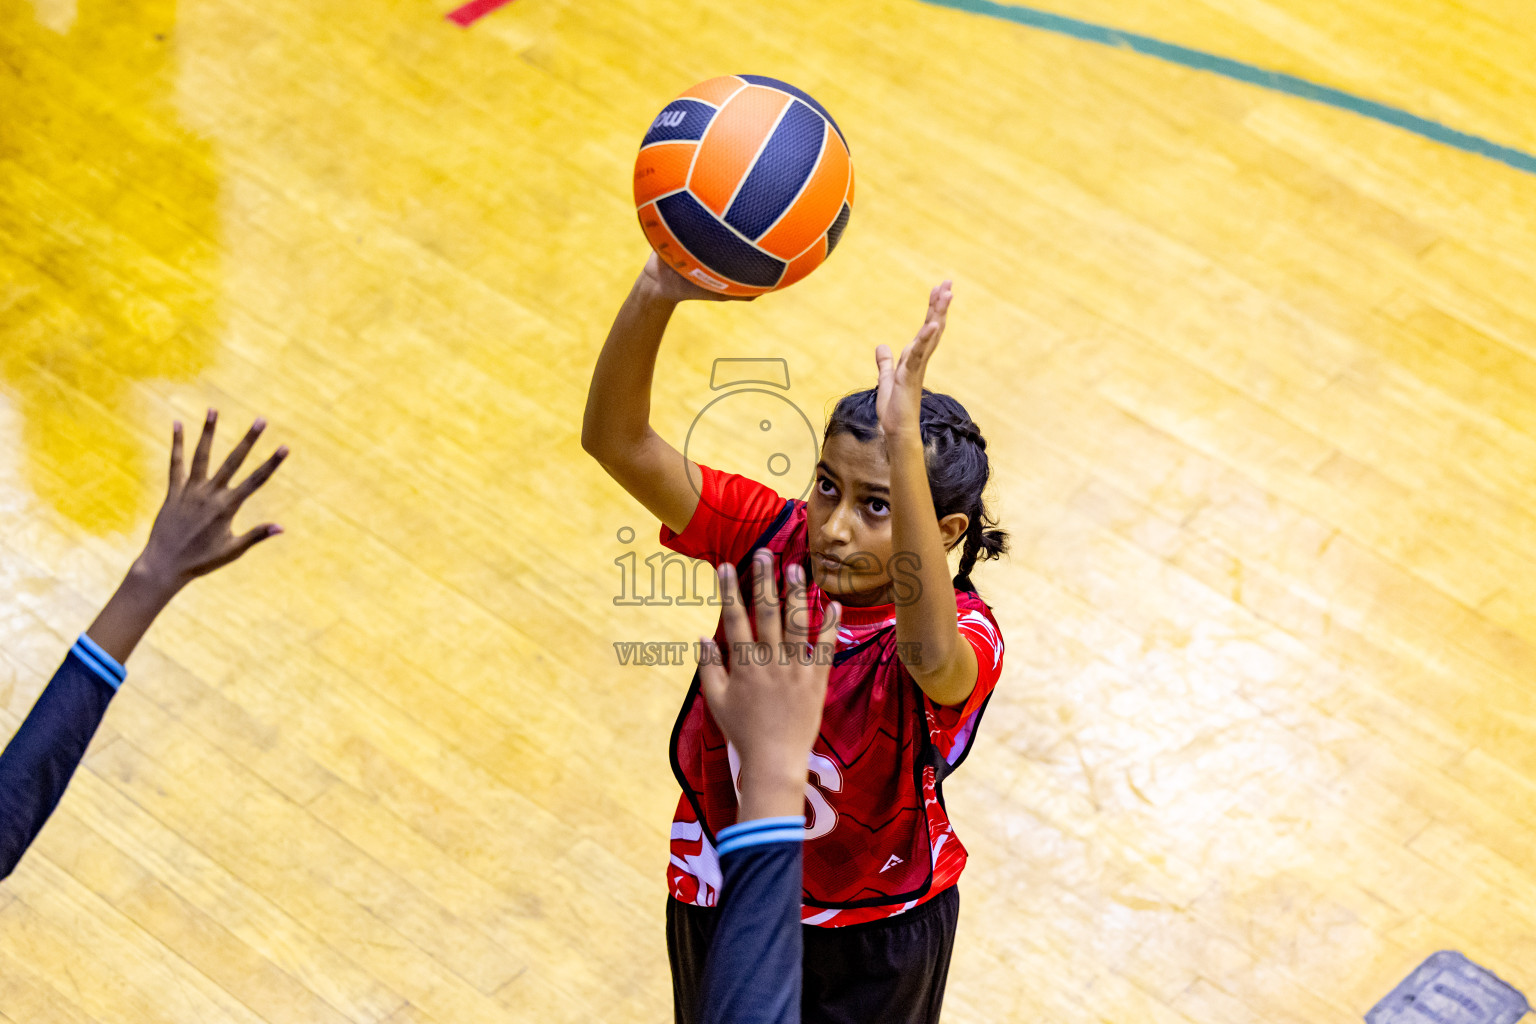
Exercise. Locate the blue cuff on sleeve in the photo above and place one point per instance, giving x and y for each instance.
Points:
(759, 831)
(99, 661)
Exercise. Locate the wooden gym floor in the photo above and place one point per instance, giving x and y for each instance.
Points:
(1258, 376)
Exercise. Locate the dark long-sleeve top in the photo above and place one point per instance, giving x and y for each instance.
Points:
(752, 975)
(40, 759)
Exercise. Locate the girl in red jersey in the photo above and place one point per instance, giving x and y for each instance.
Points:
(898, 485)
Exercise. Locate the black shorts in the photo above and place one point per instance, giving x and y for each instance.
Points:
(881, 972)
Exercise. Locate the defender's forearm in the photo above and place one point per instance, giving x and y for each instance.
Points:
(127, 616)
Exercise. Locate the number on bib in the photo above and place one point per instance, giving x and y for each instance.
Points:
(824, 778)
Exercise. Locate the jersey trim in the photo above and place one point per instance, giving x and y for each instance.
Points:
(102, 665)
(759, 831)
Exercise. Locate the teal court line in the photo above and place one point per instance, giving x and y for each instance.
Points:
(1236, 69)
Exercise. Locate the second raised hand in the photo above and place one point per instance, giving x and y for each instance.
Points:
(192, 533)
(899, 393)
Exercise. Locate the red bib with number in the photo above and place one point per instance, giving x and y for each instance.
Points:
(875, 822)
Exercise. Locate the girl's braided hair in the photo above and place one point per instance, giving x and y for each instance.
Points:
(955, 454)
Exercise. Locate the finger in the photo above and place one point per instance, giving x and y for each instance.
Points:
(250, 539)
(176, 460)
(938, 302)
(883, 365)
(932, 326)
(826, 650)
(204, 448)
(766, 600)
(251, 484)
(733, 617)
(885, 374)
(796, 618)
(712, 677)
(922, 346)
(237, 454)
(914, 359)
(927, 340)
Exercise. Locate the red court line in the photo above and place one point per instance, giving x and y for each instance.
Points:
(474, 11)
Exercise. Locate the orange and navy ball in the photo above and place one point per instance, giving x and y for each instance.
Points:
(744, 184)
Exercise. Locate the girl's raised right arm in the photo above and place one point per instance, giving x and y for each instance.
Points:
(616, 429)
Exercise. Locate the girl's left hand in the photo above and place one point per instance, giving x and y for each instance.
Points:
(899, 397)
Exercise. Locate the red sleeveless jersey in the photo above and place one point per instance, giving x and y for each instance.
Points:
(878, 839)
